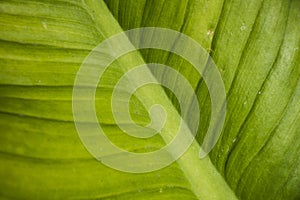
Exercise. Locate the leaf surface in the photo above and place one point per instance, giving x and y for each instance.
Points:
(43, 44)
(256, 47)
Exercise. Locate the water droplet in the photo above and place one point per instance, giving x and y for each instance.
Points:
(259, 92)
(243, 27)
(245, 102)
(210, 33)
(234, 140)
(160, 190)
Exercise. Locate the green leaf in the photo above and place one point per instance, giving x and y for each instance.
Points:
(43, 44)
(255, 45)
